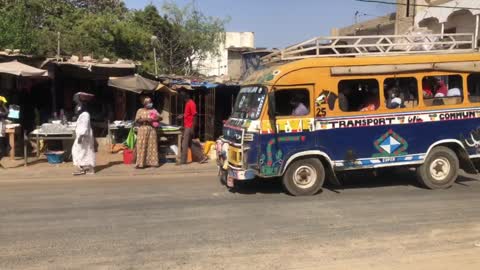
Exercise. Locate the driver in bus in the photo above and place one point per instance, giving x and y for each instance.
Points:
(299, 108)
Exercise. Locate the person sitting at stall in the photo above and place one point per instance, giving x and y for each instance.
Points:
(83, 149)
(147, 144)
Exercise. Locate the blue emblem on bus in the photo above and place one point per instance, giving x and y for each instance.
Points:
(390, 144)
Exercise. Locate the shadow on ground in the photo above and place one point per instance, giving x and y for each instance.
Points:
(106, 166)
(358, 180)
(29, 163)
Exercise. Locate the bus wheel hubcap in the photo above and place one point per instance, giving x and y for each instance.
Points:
(305, 177)
(440, 169)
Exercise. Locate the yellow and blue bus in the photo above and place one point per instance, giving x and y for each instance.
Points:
(309, 120)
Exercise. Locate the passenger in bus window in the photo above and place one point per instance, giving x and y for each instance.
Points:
(456, 89)
(299, 108)
(343, 100)
(454, 92)
(427, 89)
(372, 101)
(441, 88)
(394, 98)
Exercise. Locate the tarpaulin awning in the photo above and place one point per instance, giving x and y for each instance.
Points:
(138, 84)
(19, 69)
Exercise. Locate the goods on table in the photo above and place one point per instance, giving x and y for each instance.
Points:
(55, 129)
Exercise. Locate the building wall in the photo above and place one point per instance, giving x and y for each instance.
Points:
(218, 65)
(461, 19)
(235, 64)
(378, 26)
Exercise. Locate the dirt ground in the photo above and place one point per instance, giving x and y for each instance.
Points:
(185, 219)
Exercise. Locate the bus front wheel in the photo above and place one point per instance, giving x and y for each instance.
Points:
(440, 169)
(304, 177)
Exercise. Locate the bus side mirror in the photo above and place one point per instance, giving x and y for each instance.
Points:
(271, 105)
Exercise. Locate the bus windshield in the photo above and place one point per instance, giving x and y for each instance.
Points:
(249, 102)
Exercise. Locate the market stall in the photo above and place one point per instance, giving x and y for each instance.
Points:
(62, 132)
(169, 137)
(17, 76)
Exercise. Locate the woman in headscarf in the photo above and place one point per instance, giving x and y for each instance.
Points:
(83, 150)
(3, 118)
(147, 145)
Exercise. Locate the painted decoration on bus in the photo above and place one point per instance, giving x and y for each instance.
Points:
(289, 126)
(390, 144)
(263, 77)
(271, 162)
(325, 98)
(372, 121)
(472, 141)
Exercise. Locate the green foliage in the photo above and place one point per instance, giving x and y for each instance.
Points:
(105, 28)
(195, 34)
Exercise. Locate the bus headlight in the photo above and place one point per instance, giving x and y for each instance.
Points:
(248, 137)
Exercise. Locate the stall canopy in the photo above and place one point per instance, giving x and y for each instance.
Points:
(19, 69)
(138, 84)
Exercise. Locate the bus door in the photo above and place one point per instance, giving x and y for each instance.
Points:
(287, 127)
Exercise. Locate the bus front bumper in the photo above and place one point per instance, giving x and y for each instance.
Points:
(241, 175)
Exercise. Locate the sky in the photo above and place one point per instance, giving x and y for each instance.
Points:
(280, 23)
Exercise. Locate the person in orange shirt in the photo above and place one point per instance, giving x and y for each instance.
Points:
(427, 90)
(372, 102)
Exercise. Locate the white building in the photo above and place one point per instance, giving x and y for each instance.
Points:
(229, 59)
(453, 16)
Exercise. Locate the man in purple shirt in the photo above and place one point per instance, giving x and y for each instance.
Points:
(299, 109)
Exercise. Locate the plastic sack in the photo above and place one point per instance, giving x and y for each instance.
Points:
(131, 139)
(14, 112)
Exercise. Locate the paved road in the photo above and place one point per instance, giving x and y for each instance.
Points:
(177, 222)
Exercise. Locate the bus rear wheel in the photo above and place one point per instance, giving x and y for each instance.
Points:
(304, 177)
(440, 169)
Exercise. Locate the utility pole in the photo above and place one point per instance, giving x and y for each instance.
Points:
(154, 38)
(408, 9)
(58, 46)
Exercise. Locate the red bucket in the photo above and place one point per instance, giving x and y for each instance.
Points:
(128, 156)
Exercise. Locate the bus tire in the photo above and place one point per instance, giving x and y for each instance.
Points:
(304, 177)
(440, 169)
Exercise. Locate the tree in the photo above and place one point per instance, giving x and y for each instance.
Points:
(197, 35)
(105, 28)
(17, 20)
(99, 6)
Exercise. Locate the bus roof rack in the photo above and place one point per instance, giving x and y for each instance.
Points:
(379, 45)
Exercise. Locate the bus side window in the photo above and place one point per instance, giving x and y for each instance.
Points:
(474, 87)
(358, 95)
(401, 93)
(294, 102)
(442, 90)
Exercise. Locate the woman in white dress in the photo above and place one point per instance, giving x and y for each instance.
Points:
(83, 150)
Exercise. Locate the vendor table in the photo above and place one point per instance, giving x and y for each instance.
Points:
(38, 136)
(178, 135)
(12, 131)
(161, 132)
